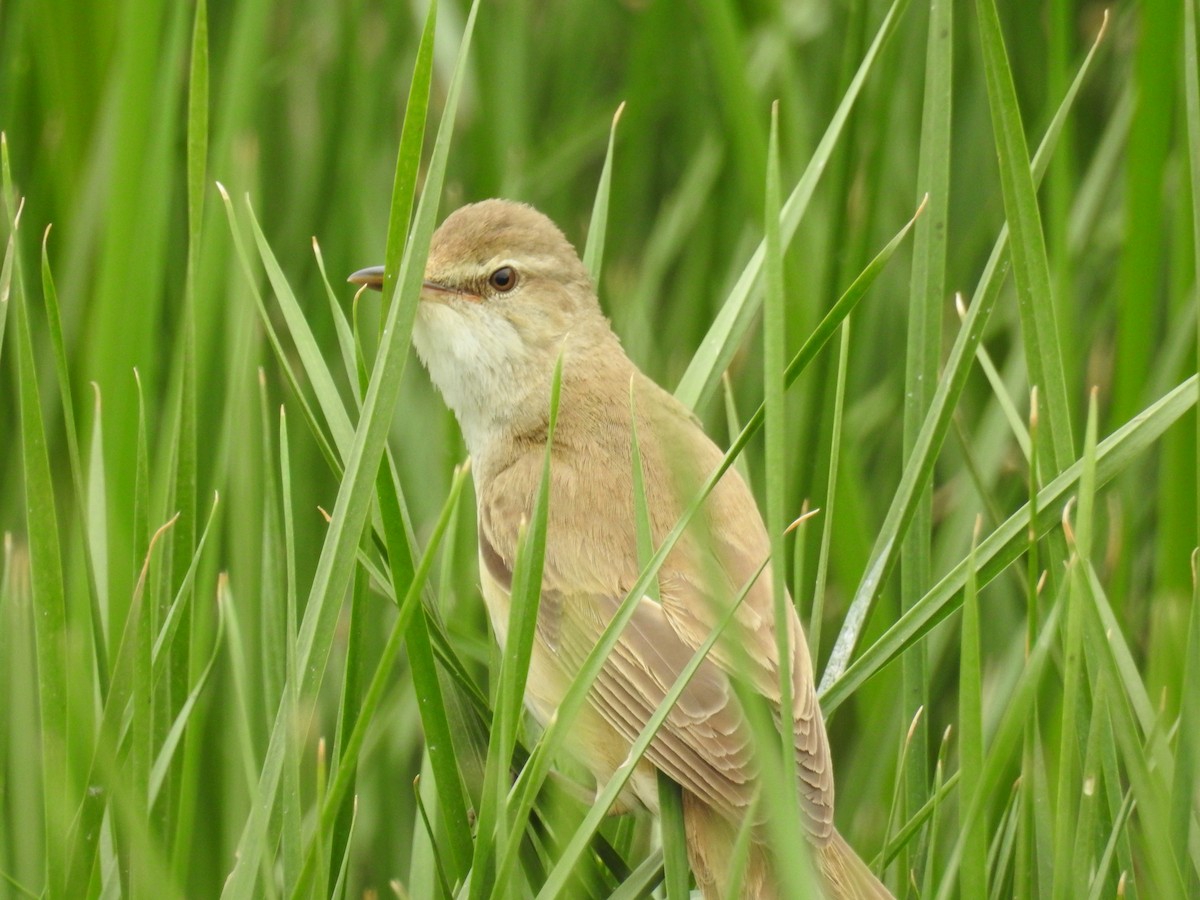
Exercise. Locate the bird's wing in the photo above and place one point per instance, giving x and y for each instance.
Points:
(750, 653)
(705, 743)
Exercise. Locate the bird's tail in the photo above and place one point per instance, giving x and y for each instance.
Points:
(711, 838)
(846, 876)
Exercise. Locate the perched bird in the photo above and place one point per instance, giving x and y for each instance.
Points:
(505, 295)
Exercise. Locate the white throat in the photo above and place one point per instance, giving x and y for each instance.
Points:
(478, 362)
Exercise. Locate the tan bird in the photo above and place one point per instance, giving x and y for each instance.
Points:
(505, 295)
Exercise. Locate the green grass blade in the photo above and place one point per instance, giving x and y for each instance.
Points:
(6, 274)
(919, 467)
(526, 591)
(1141, 748)
(291, 837)
(49, 599)
(281, 355)
(345, 334)
(408, 158)
(972, 875)
(183, 599)
(179, 726)
(307, 345)
(344, 774)
(557, 879)
(922, 359)
(1069, 778)
(593, 251)
(350, 512)
(184, 448)
(1187, 751)
(426, 681)
(830, 509)
(86, 826)
(1004, 742)
(774, 354)
(1027, 244)
(1005, 544)
(674, 839)
(740, 307)
(93, 527)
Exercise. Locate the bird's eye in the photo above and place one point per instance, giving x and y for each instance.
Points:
(504, 279)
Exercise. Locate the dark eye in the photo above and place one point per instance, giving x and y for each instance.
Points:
(504, 279)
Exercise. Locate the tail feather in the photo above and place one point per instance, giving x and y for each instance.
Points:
(711, 838)
(846, 876)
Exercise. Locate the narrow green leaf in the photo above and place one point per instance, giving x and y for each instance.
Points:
(283, 358)
(740, 307)
(6, 272)
(93, 527)
(1004, 742)
(919, 467)
(348, 762)
(605, 798)
(167, 751)
(1005, 544)
(1187, 751)
(593, 251)
(291, 836)
(1142, 750)
(674, 838)
(922, 360)
(1069, 777)
(86, 825)
(340, 886)
(494, 832)
(835, 455)
(1191, 85)
(408, 158)
(426, 681)
(1027, 247)
(307, 346)
(972, 875)
(350, 511)
(197, 136)
(345, 335)
(48, 591)
(183, 599)
(775, 482)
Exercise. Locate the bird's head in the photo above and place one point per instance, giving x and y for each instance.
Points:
(503, 293)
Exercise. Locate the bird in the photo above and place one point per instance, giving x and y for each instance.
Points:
(505, 297)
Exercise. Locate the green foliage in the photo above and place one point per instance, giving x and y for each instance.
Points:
(202, 696)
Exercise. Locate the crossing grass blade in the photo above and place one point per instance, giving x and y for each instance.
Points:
(1027, 244)
(556, 880)
(349, 514)
(738, 311)
(494, 833)
(774, 354)
(919, 466)
(1006, 543)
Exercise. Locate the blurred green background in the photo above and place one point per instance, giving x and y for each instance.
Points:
(306, 101)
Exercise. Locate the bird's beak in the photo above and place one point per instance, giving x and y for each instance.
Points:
(372, 277)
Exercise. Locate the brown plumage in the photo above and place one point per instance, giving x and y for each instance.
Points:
(505, 294)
